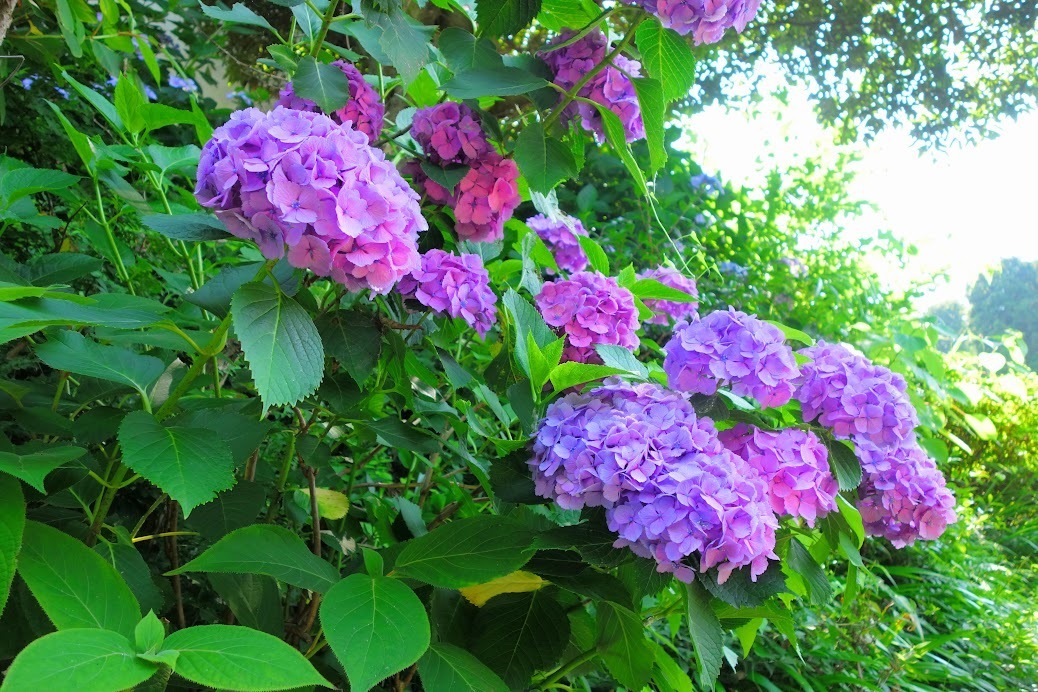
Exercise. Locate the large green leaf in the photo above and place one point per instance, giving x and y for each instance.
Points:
(243, 434)
(354, 339)
(706, 634)
(800, 561)
(253, 598)
(20, 182)
(543, 160)
(667, 57)
(614, 131)
(73, 584)
(190, 464)
(231, 510)
(77, 354)
(447, 668)
(466, 552)
(395, 38)
(324, 84)
(128, 562)
(654, 113)
(239, 658)
(215, 294)
(12, 525)
(194, 226)
(376, 626)
(622, 645)
(114, 310)
(844, 464)
(463, 51)
(33, 467)
(85, 660)
(238, 14)
(270, 550)
(280, 341)
(60, 267)
(505, 17)
(496, 80)
(572, 373)
(516, 634)
(393, 432)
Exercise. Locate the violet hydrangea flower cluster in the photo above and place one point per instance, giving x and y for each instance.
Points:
(589, 309)
(611, 87)
(298, 179)
(728, 346)
(561, 238)
(457, 285)
(706, 20)
(667, 310)
(488, 194)
(795, 465)
(670, 488)
(363, 110)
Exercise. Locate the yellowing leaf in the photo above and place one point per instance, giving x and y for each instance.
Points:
(332, 504)
(516, 582)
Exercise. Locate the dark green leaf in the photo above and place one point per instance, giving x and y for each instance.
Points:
(20, 182)
(401, 40)
(78, 659)
(71, 351)
(493, 81)
(197, 226)
(505, 17)
(517, 634)
(33, 467)
(463, 51)
(741, 591)
(707, 636)
(447, 668)
(354, 339)
(113, 310)
(447, 177)
(215, 294)
(324, 84)
(393, 432)
(511, 479)
(666, 57)
(238, 14)
(614, 131)
(231, 510)
(253, 598)
(800, 561)
(543, 160)
(127, 561)
(598, 586)
(622, 646)
(60, 267)
(592, 539)
(12, 525)
(845, 465)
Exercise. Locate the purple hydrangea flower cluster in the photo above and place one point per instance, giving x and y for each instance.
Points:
(667, 310)
(450, 133)
(795, 464)
(611, 87)
(669, 487)
(454, 284)
(729, 346)
(706, 20)
(299, 179)
(561, 238)
(903, 496)
(589, 309)
(363, 110)
(852, 396)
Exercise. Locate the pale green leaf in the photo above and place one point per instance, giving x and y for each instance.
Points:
(83, 660)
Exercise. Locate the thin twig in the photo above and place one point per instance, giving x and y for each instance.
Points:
(173, 508)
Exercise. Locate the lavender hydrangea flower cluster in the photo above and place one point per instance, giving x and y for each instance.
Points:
(589, 309)
(363, 110)
(454, 284)
(667, 310)
(706, 20)
(669, 487)
(611, 87)
(853, 397)
(561, 238)
(729, 346)
(488, 194)
(795, 464)
(298, 179)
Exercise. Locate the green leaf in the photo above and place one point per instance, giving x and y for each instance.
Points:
(800, 561)
(239, 658)
(705, 631)
(741, 590)
(190, 464)
(666, 673)
(852, 516)
(393, 432)
(60, 267)
(354, 339)
(844, 464)
(87, 660)
(596, 256)
(463, 51)
(198, 226)
(129, 103)
(243, 434)
(231, 510)
(654, 113)
(793, 334)
(71, 351)
(149, 633)
(80, 142)
(215, 294)
(511, 480)
(21, 182)
(113, 310)
(238, 14)
(651, 289)
(447, 668)
(33, 467)
(253, 598)
(505, 17)
(571, 374)
(493, 81)
(516, 634)
(447, 177)
(270, 550)
(103, 105)
(619, 357)
(543, 160)
(128, 562)
(12, 525)
(375, 627)
(622, 645)
(527, 321)
(324, 84)
(71, 28)
(557, 15)
(666, 57)
(614, 131)
(280, 341)
(466, 552)
(73, 584)
(402, 41)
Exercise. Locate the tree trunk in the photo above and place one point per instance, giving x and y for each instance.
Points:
(6, 14)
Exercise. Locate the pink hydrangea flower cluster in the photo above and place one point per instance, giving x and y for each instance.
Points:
(561, 238)
(795, 465)
(589, 309)
(728, 346)
(488, 194)
(667, 310)
(611, 87)
(299, 179)
(457, 285)
(903, 496)
(670, 488)
(706, 20)
(364, 110)
(854, 397)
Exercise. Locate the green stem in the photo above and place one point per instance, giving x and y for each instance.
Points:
(215, 345)
(567, 668)
(106, 502)
(329, 15)
(117, 257)
(286, 466)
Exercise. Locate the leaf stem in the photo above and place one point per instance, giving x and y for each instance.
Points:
(567, 668)
(329, 15)
(110, 235)
(107, 498)
(164, 534)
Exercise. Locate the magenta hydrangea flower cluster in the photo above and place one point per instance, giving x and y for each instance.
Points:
(363, 110)
(706, 20)
(457, 285)
(667, 310)
(589, 309)
(299, 179)
(611, 87)
(795, 465)
(670, 488)
(488, 194)
(561, 238)
(731, 347)
(847, 393)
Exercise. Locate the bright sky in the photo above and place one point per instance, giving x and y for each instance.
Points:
(964, 208)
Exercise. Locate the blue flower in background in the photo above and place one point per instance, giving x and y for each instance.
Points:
(150, 93)
(27, 82)
(184, 84)
(241, 96)
(63, 92)
(705, 183)
(733, 269)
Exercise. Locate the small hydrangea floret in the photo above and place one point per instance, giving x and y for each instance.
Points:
(457, 285)
(561, 237)
(364, 110)
(589, 309)
(706, 20)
